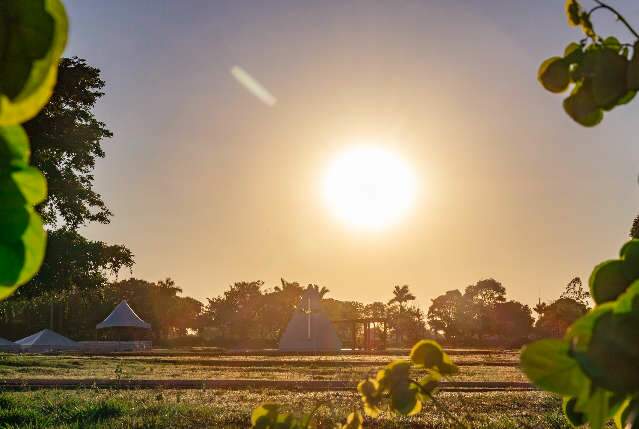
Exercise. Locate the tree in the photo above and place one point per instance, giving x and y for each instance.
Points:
(634, 231)
(401, 295)
(512, 321)
(556, 317)
(66, 141)
(72, 261)
(445, 314)
(480, 300)
(575, 291)
(34, 34)
(321, 291)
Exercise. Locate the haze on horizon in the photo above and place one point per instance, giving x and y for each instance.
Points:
(210, 186)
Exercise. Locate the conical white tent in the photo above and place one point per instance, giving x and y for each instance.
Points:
(123, 316)
(309, 328)
(46, 340)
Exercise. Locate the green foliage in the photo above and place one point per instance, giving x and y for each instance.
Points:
(554, 74)
(66, 141)
(599, 70)
(270, 416)
(596, 365)
(394, 386)
(480, 312)
(575, 417)
(32, 37)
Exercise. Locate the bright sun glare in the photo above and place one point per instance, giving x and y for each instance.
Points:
(369, 187)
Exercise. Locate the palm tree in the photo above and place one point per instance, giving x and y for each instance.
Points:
(321, 291)
(401, 295)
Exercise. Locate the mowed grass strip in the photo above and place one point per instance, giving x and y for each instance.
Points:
(69, 367)
(96, 408)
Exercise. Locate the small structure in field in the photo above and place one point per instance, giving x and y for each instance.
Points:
(125, 329)
(309, 329)
(8, 346)
(46, 341)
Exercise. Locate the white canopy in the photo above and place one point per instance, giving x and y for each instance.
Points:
(123, 316)
(6, 343)
(47, 338)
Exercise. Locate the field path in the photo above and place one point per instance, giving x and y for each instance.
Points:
(292, 385)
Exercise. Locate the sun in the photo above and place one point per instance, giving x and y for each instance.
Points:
(369, 187)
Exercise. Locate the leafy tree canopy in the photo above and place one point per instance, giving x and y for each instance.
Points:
(66, 139)
(72, 261)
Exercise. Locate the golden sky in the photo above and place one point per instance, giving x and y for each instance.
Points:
(210, 186)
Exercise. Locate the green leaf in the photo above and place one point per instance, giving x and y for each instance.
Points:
(581, 106)
(611, 359)
(14, 147)
(607, 72)
(34, 35)
(612, 43)
(371, 396)
(427, 354)
(608, 281)
(632, 74)
(630, 255)
(430, 382)
(628, 302)
(447, 366)
(573, 53)
(627, 416)
(21, 257)
(573, 12)
(630, 95)
(547, 363)
(554, 74)
(397, 372)
(264, 415)
(597, 408)
(580, 332)
(575, 417)
(405, 399)
(353, 421)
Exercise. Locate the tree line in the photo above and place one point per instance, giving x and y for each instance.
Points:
(75, 289)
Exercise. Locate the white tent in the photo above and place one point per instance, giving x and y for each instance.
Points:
(309, 329)
(46, 340)
(7, 345)
(123, 316)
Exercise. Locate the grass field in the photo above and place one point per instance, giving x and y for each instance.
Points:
(498, 367)
(231, 408)
(214, 408)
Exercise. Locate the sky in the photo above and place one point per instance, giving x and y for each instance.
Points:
(210, 186)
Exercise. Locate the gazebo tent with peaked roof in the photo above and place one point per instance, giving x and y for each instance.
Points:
(46, 340)
(123, 322)
(309, 329)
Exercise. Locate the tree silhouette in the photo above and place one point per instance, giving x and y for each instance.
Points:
(321, 291)
(634, 231)
(401, 295)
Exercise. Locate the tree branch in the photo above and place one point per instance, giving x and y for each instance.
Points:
(602, 5)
